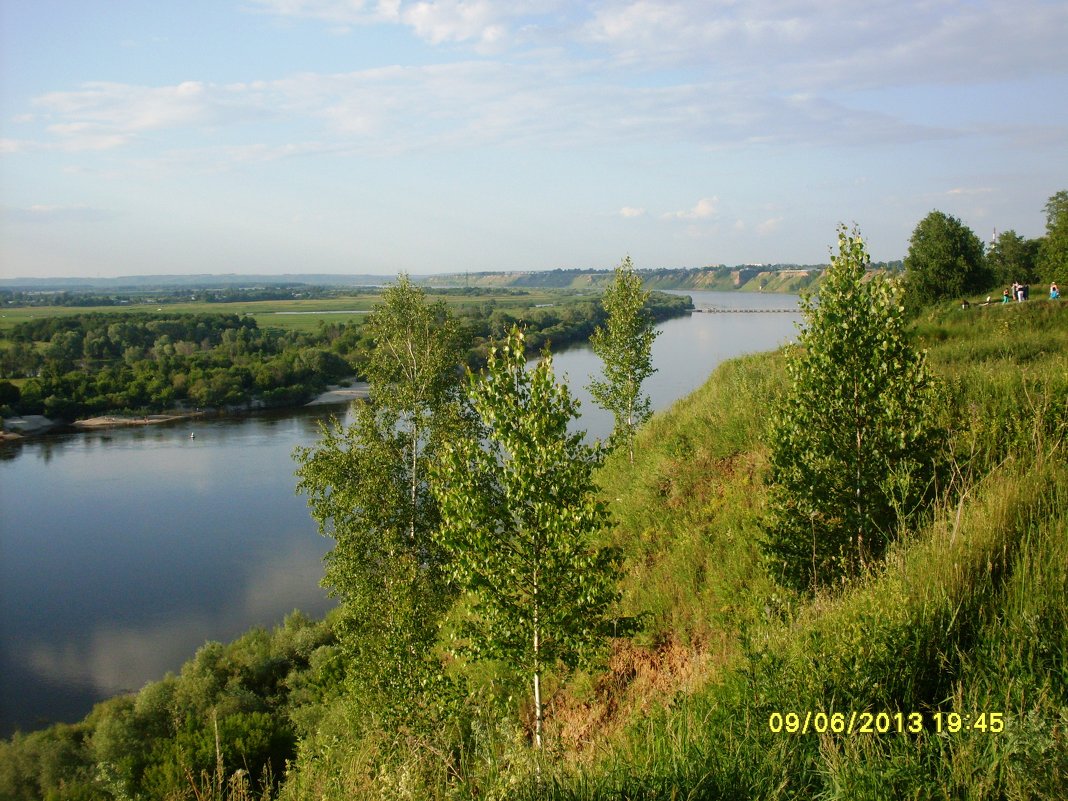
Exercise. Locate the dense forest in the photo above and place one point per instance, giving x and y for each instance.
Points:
(139, 362)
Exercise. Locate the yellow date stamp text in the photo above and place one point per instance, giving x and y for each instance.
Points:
(856, 722)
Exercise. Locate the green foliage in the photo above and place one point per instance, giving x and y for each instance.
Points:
(1053, 255)
(367, 488)
(854, 442)
(518, 522)
(625, 345)
(1013, 259)
(91, 363)
(232, 710)
(945, 260)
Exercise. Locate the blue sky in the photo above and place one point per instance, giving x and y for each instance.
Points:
(377, 136)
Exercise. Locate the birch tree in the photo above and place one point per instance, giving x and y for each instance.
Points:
(625, 345)
(367, 486)
(519, 518)
(854, 442)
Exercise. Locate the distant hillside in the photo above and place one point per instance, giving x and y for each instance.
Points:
(746, 277)
(750, 278)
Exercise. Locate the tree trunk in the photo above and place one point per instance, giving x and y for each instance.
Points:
(537, 709)
(415, 456)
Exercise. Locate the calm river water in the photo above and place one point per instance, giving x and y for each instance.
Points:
(122, 551)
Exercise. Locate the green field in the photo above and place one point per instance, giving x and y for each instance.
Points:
(292, 315)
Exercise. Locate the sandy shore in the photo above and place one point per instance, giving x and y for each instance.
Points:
(334, 395)
(110, 420)
(341, 394)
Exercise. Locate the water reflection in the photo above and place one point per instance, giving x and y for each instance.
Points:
(113, 658)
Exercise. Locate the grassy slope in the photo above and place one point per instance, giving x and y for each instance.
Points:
(969, 615)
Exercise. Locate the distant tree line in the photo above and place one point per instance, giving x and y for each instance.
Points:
(97, 362)
(162, 296)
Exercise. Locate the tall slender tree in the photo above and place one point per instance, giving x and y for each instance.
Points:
(1053, 255)
(518, 519)
(625, 345)
(854, 442)
(367, 486)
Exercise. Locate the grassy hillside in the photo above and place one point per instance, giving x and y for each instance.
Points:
(960, 638)
(969, 615)
(963, 633)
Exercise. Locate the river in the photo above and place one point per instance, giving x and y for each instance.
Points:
(123, 550)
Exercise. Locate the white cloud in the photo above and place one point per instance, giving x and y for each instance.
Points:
(455, 21)
(480, 22)
(754, 74)
(842, 43)
(631, 212)
(346, 12)
(769, 226)
(706, 208)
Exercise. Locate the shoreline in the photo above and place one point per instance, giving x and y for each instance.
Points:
(334, 394)
(115, 421)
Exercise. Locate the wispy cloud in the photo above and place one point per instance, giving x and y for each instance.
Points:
(555, 75)
(768, 226)
(41, 213)
(841, 43)
(481, 23)
(706, 208)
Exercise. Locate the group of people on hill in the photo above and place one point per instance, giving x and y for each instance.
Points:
(1021, 292)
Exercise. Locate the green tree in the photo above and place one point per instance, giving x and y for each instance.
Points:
(1012, 258)
(1053, 253)
(945, 260)
(367, 488)
(625, 345)
(518, 521)
(854, 441)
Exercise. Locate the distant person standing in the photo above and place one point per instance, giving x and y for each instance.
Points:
(1005, 296)
(1054, 292)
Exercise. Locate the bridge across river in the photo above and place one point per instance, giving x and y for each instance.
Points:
(719, 310)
